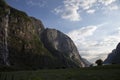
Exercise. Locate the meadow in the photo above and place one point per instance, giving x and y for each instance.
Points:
(109, 72)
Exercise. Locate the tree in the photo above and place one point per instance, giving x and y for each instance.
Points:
(99, 62)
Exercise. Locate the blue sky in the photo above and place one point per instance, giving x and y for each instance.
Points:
(94, 25)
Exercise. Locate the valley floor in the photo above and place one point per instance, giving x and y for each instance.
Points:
(109, 72)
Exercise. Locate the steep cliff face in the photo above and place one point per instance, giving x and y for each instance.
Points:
(21, 45)
(61, 46)
(4, 23)
(110, 57)
(86, 62)
(39, 27)
(114, 56)
(116, 59)
(24, 42)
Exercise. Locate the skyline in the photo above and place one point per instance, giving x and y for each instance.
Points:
(93, 25)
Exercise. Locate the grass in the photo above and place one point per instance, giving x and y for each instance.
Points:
(94, 73)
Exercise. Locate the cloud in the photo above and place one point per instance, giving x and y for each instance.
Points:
(87, 4)
(73, 9)
(38, 3)
(113, 7)
(92, 44)
(107, 2)
(81, 33)
(69, 11)
(91, 11)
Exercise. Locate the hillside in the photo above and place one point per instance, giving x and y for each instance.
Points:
(114, 56)
(25, 43)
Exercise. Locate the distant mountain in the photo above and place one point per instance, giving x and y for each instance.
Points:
(110, 57)
(114, 56)
(86, 62)
(26, 44)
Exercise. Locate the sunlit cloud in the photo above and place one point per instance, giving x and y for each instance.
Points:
(87, 4)
(91, 11)
(106, 2)
(92, 48)
(83, 32)
(72, 9)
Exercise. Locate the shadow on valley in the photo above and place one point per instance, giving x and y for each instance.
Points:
(108, 72)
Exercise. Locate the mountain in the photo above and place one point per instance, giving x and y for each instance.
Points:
(61, 46)
(86, 62)
(110, 57)
(116, 59)
(114, 56)
(26, 44)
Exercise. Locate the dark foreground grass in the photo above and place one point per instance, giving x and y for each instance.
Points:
(94, 73)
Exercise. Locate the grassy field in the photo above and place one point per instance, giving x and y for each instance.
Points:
(93, 73)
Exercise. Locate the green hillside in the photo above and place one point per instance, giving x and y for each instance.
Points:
(93, 73)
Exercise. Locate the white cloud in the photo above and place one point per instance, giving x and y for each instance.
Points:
(81, 33)
(69, 10)
(106, 2)
(38, 3)
(91, 11)
(113, 7)
(93, 48)
(71, 14)
(72, 9)
(87, 4)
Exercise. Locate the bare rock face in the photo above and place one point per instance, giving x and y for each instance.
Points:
(39, 27)
(20, 44)
(26, 44)
(116, 59)
(4, 24)
(86, 62)
(61, 46)
(110, 57)
(114, 56)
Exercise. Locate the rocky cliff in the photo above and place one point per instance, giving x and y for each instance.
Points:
(25, 43)
(86, 62)
(114, 56)
(61, 46)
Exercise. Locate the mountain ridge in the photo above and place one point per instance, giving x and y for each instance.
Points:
(22, 44)
(114, 56)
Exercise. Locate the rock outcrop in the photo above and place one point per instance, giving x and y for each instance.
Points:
(61, 46)
(86, 62)
(4, 24)
(39, 27)
(110, 57)
(26, 44)
(20, 44)
(116, 59)
(114, 56)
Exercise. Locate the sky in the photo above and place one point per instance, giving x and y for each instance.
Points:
(93, 25)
